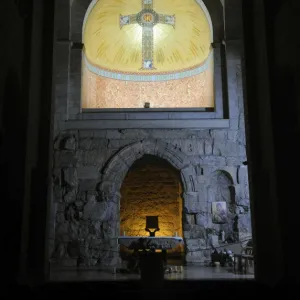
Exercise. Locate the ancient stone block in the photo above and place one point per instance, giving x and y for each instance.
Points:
(202, 219)
(235, 160)
(101, 134)
(175, 157)
(219, 135)
(213, 240)
(131, 153)
(192, 203)
(171, 134)
(213, 160)
(192, 146)
(100, 211)
(115, 165)
(241, 122)
(195, 244)
(88, 172)
(92, 143)
(189, 178)
(65, 159)
(70, 196)
(99, 243)
(234, 123)
(203, 134)
(233, 135)
(243, 202)
(115, 144)
(189, 219)
(57, 193)
(109, 230)
(73, 249)
(87, 185)
(83, 230)
(93, 158)
(87, 134)
(134, 134)
(244, 223)
(194, 232)
(229, 148)
(70, 143)
(69, 177)
(240, 210)
(208, 147)
(113, 134)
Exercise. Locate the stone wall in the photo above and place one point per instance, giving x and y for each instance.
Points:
(151, 188)
(90, 167)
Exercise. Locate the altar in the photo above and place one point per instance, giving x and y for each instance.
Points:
(150, 242)
(149, 256)
(149, 253)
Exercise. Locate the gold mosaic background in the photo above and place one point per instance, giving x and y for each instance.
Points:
(110, 47)
(191, 92)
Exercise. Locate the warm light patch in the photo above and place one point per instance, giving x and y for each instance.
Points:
(151, 188)
(192, 92)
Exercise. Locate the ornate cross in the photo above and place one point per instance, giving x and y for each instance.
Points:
(147, 18)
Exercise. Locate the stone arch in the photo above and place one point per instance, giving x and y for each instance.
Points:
(222, 180)
(222, 177)
(221, 187)
(117, 167)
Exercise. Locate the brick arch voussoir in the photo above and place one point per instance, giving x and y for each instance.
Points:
(118, 166)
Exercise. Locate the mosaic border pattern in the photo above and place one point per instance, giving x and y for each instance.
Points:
(114, 74)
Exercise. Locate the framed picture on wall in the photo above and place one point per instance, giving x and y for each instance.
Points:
(219, 212)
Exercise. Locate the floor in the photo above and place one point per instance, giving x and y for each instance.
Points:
(193, 272)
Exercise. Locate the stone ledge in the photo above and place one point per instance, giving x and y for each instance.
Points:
(140, 124)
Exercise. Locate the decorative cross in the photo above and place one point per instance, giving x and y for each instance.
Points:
(147, 18)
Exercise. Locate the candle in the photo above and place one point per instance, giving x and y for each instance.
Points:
(175, 233)
(124, 233)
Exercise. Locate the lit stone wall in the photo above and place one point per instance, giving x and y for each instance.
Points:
(151, 188)
(101, 92)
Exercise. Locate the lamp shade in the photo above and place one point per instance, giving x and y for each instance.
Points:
(152, 222)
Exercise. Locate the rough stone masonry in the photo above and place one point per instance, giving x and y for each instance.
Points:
(89, 169)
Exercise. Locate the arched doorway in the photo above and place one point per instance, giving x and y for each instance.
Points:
(119, 166)
(152, 187)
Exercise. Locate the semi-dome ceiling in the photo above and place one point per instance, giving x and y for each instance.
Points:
(147, 36)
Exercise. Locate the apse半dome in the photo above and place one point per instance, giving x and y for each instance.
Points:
(154, 51)
(147, 36)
